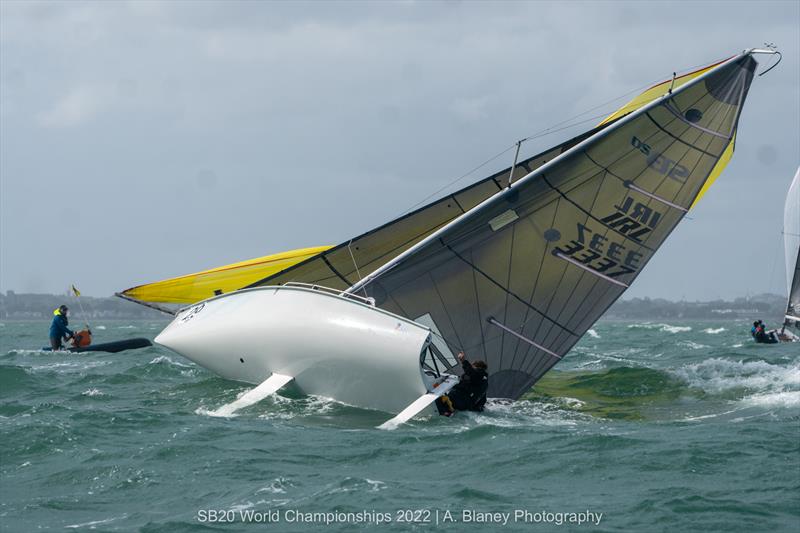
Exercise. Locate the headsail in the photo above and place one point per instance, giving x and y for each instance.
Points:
(192, 288)
(791, 241)
(519, 279)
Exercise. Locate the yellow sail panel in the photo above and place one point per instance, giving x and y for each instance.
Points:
(724, 159)
(192, 288)
(654, 92)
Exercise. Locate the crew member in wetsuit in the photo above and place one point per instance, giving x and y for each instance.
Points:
(59, 329)
(470, 392)
(761, 335)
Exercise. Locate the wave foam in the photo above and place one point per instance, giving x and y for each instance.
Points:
(718, 375)
(760, 383)
(692, 345)
(666, 328)
(714, 331)
(775, 399)
(164, 360)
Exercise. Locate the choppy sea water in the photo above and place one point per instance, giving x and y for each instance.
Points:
(658, 426)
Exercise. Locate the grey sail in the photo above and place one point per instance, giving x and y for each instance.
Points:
(791, 239)
(517, 280)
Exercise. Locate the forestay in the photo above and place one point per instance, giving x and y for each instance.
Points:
(520, 278)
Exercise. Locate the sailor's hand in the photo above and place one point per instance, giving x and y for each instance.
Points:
(460, 357)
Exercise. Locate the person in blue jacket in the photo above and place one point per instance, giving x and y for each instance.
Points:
(59, 329)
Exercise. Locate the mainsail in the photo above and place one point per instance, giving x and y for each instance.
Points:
(517, 280)
(791, 241)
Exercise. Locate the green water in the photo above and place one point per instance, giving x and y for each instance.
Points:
(656, 426)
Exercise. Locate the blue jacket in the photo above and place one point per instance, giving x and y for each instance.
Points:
(58, 327)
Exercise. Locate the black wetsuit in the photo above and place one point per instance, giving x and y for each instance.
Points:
(761, 336)
(470, 393)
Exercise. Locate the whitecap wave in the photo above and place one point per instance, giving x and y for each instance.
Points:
(593, 334)
(761, 384)
(525, 413)
(93, 392)
(775, 399)
(164, 360)
(719, 375)
(714, 331)
(692, 345)
(666, 328)
(277, 486)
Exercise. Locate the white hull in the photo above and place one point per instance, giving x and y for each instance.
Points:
(332, 345)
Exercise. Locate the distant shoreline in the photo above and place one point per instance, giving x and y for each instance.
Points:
(768, 307)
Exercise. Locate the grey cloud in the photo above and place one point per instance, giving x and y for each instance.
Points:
(186, 135)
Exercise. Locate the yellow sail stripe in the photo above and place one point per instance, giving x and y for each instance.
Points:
(660, 89)
(717, 170)
(195, 287)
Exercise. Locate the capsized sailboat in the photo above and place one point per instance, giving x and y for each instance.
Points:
(513, 269)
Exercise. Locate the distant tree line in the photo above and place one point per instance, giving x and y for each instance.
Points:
(15, 306)
(769, 307)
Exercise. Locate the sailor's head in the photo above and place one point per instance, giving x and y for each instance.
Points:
(480, 365)
(63, 310)
(755, 323)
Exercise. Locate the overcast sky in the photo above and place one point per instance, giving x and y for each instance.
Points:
(143, 140)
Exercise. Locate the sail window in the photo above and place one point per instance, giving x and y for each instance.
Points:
(503, 219)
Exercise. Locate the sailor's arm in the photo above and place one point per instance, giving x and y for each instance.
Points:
(466, 365)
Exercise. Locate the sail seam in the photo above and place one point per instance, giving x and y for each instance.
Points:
(535, 285)
(330, 266)
(675, 137)
(501, 287)
(446, 312)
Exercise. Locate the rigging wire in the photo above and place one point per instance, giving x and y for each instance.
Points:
(349, 249)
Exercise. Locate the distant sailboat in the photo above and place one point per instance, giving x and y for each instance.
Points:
(791, 242)
(513, 269)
